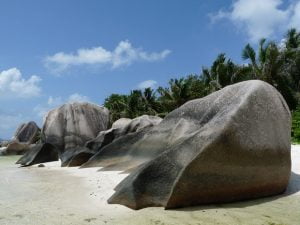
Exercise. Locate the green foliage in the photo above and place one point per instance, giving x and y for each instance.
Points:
(180, 91)
(293, 39)
(135, 104)
(279, 65)
(117, 105)
(296, 126)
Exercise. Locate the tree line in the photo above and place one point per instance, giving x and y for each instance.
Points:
(275, 63)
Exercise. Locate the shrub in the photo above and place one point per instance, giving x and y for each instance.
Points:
(296, 125)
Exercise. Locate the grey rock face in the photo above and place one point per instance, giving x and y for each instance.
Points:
(231, 145)
(120, 123)
(27, 133)
(120, 128)
(140, 123)
(15, 148)
(73, 124)
(76, 156)
(65, 130)
(39, 153)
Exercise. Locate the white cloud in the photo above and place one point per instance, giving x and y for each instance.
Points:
(78, 98)
(295, 18)
(9, 122)
(147, 83)
(43, 109)
(261, 18)
(54, 102)
(123, 55)
(282, 43)
(13, 85)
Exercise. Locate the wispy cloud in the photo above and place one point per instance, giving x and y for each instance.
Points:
(13, 85)
(261, 18)
(9, 121)
(42, 109)
(123, 55)
(78, 98)
(53, 102)
(147, 84)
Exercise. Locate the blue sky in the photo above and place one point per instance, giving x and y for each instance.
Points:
(58, 51)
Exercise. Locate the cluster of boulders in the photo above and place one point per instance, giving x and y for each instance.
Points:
(26, 135)
(231, 145)
(72, 133)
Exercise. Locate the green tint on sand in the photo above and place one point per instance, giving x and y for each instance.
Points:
(63, 196)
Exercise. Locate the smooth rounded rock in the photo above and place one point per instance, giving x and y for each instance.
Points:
(73, 124)
(27, 133)
(231, 145)
(120, 128)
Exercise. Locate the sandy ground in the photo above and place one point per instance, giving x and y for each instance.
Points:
(58, 196)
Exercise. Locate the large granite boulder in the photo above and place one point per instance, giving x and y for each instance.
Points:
(120, 128)
(231, 145)
(79, 155)
(27, 133)
(73, 124)
(39, 153)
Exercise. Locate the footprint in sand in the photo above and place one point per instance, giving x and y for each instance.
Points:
(19, 216)
(89, 219)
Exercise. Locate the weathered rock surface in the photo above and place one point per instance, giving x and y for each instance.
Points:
(76, 156)
(27, 133)
(231, 145)
(73, 124)
(120, 123)
(39, 153)
(140, 123)
(120, 128)
(15, 148)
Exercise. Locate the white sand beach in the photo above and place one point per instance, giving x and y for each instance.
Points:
(65, 196)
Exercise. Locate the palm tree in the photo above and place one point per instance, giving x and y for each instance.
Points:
(292, 56)
(175, 95)
(135, 104)
(117, 105)
(292, 39)
(142, 102)
(249, 53)
(198, 88)
(223, 72)
(271, 63)
(271, 66)
(152, 106)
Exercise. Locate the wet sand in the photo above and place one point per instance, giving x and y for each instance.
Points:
(65, 196)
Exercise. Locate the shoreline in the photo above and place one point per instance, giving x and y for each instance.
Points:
(68, 195)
